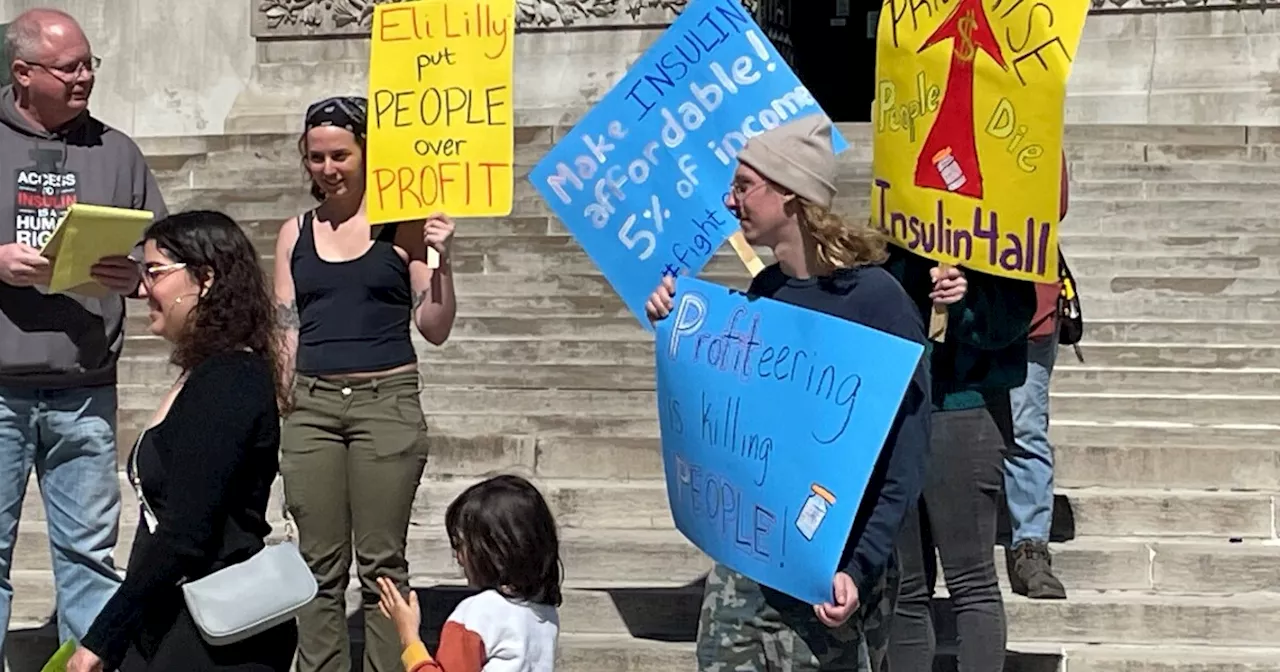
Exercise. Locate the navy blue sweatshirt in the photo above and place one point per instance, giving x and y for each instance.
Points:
(870, 296)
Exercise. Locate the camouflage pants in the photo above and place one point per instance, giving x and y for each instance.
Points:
(745, 627)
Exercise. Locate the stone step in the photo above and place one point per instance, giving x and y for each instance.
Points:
(276, 202)
(1155, 458)
(1192, 223)
(1153, 407)
(642, 504)
(589, 653)
(1087, 455)
(1150, 380)
(545, 351)
(1086, 617)
(475, 396)
(1092, 431)
(151, 371)
(542, 254)
(1163, 286)
(1141, 329)
(1174, 171)
(1145, 303)
(1097, 331)
(1199, 355)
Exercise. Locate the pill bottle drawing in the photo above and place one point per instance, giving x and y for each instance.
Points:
(949, 169)
(814, 510)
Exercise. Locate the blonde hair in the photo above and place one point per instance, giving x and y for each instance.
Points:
(841, 243)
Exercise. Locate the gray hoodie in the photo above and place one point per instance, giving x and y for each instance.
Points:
(58, 341)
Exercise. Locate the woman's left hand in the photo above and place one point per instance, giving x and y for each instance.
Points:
(84, 660)
(437, 233)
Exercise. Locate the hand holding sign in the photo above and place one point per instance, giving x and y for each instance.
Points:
(659, 304)
(437, 233)
(949, 285)
(845, 602)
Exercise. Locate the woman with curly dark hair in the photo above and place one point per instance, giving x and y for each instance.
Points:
(203, 468)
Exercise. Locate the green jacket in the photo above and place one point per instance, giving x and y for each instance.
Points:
(985, 349)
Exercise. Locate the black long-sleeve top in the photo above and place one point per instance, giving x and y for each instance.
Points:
(869, 296)
(205, 472)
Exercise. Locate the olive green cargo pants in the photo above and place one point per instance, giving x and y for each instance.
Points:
(352, 454)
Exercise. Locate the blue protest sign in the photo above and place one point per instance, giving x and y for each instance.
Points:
(640, 180)
(773, 417)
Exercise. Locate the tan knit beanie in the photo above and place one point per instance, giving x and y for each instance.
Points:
(797, 155)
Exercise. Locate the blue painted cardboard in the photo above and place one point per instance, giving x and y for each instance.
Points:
(772, 417)
(640, 181)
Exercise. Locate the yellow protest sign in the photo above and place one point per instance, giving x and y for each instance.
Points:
(441, 109)
(968, 125)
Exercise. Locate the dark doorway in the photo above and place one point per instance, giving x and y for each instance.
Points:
(832, 48)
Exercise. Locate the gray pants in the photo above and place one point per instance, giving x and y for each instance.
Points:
(352, 454)
(745, 627)
(956, 522)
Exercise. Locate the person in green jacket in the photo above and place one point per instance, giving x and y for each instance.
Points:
(981, 357)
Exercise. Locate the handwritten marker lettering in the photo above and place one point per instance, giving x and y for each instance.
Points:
(638, 180)
(968, 127)
(763, 472)
(441, 117)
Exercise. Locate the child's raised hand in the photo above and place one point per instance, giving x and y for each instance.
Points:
(405, 614)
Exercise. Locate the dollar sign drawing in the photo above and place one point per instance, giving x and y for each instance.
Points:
(965, 27)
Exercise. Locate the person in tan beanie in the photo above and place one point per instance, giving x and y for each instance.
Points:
(782, 192)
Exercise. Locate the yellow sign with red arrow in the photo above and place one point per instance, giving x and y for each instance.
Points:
(968, 124)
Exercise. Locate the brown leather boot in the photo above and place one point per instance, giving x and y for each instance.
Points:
(1031, 572)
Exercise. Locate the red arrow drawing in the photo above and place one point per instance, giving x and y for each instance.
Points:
(949, 158)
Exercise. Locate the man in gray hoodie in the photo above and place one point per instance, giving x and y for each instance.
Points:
(58, 351)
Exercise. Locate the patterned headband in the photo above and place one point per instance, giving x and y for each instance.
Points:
(349, 112)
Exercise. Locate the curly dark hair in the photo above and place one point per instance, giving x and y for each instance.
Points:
(237, 312)
(507, 539)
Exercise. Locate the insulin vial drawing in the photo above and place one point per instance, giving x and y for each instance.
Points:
(814, 510)
(949, 169)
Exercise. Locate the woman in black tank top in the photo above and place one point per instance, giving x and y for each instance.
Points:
(353, 445)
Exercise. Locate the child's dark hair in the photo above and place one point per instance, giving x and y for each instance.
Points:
(506, 537)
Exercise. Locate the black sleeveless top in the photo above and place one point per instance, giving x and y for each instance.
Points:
(354, 314)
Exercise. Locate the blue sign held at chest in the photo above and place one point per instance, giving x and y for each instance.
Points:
(640, 180)
(773, 417)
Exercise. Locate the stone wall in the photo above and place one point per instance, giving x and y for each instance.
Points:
(207, 67)
(169, 67)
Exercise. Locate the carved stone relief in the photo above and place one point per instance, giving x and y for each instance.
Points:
(340, 17)
(285, 18)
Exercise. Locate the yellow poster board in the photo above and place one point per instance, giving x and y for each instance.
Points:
(86, 234)
(441, 110)
(968, 123)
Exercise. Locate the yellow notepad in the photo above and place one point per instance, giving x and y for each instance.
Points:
(58, 663)
(86, 234)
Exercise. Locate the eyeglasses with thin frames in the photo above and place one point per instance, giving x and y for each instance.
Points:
(70, 71)
(739, 193)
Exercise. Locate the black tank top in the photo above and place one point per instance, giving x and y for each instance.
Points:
(354, 314)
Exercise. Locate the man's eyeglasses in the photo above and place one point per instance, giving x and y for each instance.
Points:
(70, 70)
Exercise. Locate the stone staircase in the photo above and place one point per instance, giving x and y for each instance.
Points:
(1168, 461)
